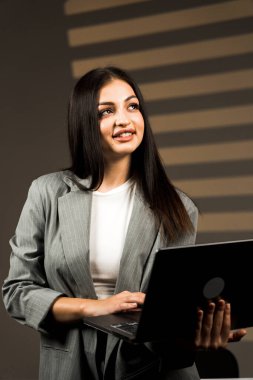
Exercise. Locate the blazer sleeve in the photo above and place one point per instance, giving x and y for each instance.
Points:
(26, 294)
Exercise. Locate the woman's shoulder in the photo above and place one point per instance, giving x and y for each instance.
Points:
(55, 182)
(187, 201)
(60, 182)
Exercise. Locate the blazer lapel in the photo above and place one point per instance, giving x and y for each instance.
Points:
(140, 238)
(74, 217)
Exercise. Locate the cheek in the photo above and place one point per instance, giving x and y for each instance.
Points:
(140, 123)
(104, 129)
(106, 135)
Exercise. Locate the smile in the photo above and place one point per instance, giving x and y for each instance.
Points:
(124, 134)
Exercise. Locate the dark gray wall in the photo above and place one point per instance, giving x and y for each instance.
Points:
(35, 81)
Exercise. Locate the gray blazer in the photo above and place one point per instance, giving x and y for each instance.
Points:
(50, 258)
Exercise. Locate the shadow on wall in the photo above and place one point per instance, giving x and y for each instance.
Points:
(217, 364)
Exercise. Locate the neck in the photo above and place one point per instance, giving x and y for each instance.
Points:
(116, 173)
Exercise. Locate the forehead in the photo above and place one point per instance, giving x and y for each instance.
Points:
(116, 89)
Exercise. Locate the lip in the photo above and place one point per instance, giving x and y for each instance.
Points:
(123, 130)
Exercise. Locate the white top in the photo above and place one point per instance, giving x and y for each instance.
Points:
(110, 215)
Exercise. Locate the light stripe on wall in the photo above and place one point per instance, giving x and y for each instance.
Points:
(232, 221)
(202, 119)
(207, 153)
(198, 85)
(210, 187)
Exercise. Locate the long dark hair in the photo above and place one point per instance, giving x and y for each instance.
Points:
(146, 165)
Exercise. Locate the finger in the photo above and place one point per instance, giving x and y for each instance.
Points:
(207, 325)
(197, 339)
(226, 327)
(237, 335)
(135, 297)
(140, 297)
(218, 325)
(124, 306)
(131, 296)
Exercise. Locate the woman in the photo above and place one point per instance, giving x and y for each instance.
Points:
(87, 236)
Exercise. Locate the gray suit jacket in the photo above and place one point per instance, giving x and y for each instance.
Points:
(50, 257)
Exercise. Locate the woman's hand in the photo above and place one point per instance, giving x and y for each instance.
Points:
(66, 309)
(121, 302)
(214, 327)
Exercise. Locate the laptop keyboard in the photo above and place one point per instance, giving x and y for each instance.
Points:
(128, 327)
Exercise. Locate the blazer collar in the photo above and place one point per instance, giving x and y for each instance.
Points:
(73, 180)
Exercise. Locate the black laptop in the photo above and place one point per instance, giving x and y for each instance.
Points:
(183, 279)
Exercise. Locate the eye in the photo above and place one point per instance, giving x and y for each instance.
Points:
(134, 106)
(104, 112)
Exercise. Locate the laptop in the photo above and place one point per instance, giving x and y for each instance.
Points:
(183, 279)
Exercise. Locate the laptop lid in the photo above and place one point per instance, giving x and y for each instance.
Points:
(183, 279)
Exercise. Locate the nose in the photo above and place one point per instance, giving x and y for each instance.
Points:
(121, 118)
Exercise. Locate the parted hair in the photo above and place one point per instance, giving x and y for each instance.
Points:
(146, 166)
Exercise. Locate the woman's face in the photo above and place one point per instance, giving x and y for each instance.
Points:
(121, 122)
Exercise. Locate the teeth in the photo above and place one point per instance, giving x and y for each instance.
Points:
(125, 134)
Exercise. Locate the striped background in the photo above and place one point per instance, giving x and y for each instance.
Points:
(194, 62)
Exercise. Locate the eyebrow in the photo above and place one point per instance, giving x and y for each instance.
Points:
(111, 103)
